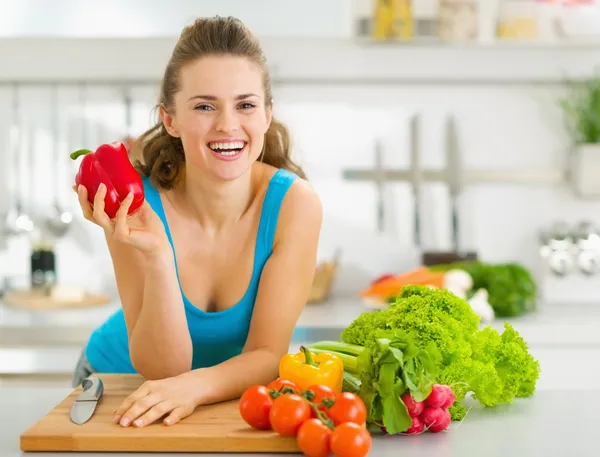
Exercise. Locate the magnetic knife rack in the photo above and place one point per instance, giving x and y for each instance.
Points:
(455, 176)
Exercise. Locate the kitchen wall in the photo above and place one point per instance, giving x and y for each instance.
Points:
(338, 96)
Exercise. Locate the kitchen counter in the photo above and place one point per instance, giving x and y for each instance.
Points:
(551, 324)
(45, 345)
(553, 423)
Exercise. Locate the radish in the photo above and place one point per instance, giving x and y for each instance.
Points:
(437, 397)
(414, 407)
(449, 398)
(416, 427)
(436, 419)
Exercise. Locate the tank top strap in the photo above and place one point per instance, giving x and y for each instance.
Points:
(278, 187)
(153, 198)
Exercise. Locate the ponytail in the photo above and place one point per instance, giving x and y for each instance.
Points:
(277, 149)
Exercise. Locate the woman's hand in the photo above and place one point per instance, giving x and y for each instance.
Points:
(142, 229)
(176, 397)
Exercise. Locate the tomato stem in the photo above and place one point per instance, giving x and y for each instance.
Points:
(321, 415)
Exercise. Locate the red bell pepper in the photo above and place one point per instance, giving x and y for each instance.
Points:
(110, 165)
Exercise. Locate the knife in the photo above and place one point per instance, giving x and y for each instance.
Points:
(416, 177)
(85, 404)
(454, 177)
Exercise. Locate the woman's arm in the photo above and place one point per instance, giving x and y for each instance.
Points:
(159, 341)
(283, 291)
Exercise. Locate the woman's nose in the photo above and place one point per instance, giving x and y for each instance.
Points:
(227, 121)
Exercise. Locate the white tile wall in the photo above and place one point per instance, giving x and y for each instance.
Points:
(508, 126)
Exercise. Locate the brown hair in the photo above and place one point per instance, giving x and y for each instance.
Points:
(162, 154)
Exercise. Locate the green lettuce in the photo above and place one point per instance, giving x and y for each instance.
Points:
(494, 367)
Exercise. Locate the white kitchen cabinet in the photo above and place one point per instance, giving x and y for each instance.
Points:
(145, 19)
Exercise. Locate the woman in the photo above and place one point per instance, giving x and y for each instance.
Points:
(214, 269)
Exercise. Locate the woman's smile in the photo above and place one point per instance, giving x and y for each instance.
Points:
(228, 149)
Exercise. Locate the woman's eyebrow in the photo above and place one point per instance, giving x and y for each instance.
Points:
(212, 97)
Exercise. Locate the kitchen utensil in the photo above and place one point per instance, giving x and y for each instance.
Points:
(455, 180)
(86, 402)
(380, 188)
(60, 219)
(586, 241)
(556, 248)
(129, 138)
(17, 221)
(214, 427)
(416, 176)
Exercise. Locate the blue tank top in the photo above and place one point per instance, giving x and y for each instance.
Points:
(216, 336)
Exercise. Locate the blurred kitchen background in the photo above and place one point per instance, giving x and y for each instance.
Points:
(432, 129)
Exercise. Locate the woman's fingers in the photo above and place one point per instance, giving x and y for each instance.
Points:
(176, 415)
(141, 392)
(138, 408)
(154, 413)
(121, 228)
(99, 214)
(86, 207)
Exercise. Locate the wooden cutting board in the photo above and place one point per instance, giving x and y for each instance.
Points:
(212, 428)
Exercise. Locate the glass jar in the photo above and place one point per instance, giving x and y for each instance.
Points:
(458, 20)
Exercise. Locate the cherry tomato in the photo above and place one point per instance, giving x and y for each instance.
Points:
(313, 438)
(321, 392)
(288, 413)
(350, 440)
(255, 407)
(278, 384)
(348, 407)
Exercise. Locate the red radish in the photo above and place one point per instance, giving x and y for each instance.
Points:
(449, 398)
(416, 427)
(436, 419)
(414, 407)
(437, 397)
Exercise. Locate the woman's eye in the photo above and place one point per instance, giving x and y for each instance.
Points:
(203, 107)
(247, 106)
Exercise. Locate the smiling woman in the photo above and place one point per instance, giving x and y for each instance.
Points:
(215, 267)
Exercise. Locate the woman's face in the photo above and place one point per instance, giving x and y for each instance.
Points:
(220, 115)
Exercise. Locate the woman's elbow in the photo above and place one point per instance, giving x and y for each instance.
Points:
(153, 368)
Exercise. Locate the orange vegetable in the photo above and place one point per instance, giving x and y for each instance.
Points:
(393, 286)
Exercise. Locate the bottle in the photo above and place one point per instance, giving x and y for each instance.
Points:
(43, 265)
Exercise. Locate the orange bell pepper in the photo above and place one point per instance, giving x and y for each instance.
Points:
(306, 369)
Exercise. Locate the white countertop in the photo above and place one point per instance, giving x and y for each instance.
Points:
(553, 423)
(556, 422)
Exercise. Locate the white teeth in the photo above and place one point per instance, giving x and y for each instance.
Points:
(229, 153)
(227, 146)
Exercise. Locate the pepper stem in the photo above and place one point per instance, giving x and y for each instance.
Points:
(80, 152)
(308, 357)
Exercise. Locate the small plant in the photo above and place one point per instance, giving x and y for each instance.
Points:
(582, 111)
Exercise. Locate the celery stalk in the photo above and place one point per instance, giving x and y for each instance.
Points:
(350, 361)
(338, 346)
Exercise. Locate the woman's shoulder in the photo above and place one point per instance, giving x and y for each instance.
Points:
(301, 204)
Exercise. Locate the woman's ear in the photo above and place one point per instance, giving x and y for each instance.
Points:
(168, 121)
(269, 116)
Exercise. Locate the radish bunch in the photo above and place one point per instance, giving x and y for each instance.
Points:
(432, 413)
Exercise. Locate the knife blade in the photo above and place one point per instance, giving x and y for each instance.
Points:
(85, 404)
(416, 176)
(454, 177)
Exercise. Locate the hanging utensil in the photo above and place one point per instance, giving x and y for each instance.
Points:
(17, 220)
(130, 139)
(60, 219)
(416, 177)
